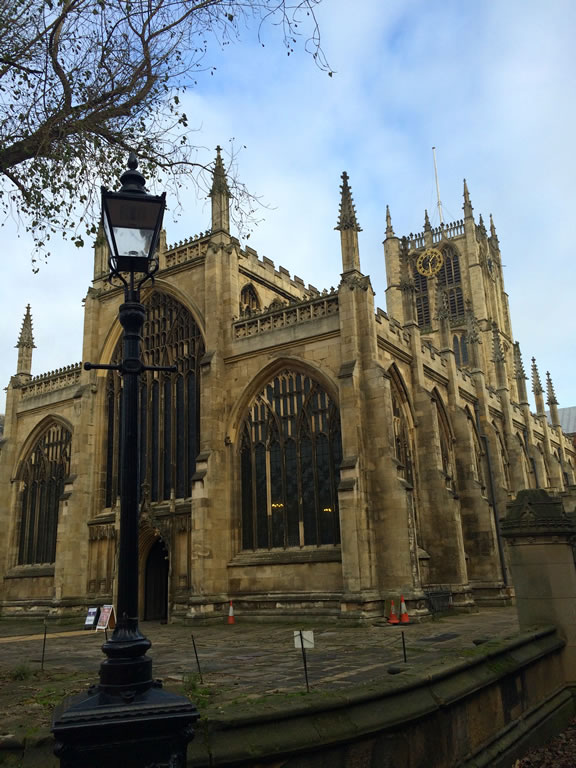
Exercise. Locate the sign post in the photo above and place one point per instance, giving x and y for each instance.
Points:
(304, 638)
(107, 618)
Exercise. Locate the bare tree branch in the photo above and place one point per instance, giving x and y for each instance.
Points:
(82, 81)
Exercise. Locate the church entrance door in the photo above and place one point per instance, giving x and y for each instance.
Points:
(156, 583)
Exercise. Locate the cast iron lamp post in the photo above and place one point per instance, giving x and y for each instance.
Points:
(127, 720)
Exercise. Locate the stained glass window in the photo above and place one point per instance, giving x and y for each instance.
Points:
(290, 456)
(43, 476)
(169, 403)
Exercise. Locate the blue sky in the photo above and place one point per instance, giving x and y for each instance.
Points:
(489, 83)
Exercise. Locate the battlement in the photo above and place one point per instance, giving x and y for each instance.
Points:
(393, 326)
(186, 250)
(266, 269)
(443, 232)
(53, 380)
(276, 316)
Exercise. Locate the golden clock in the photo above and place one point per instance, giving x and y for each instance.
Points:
(429, 262)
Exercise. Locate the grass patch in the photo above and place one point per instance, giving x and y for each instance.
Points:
(21, 672)
(198, 693)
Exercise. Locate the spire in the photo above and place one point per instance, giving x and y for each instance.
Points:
(220, 194)
(493, 228)
(25, 345)
(482, 226)
(347, 218)
(537, 389)
(552, 401)
(389, 230)
(26, 339)
(427, 227)
(348, 228)
(467, 204)
(536, 383)
(520, 374)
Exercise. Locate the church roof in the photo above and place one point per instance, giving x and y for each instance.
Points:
(567, 417)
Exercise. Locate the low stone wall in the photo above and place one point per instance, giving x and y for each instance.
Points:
(483, 711)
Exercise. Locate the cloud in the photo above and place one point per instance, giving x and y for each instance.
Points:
(488, 83)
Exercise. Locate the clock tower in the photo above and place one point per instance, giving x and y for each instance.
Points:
(448, 280)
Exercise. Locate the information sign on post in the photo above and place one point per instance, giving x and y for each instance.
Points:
(303, 638)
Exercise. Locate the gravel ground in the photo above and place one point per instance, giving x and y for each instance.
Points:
(558, 753)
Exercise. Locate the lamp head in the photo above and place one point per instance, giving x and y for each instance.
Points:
(132, 219)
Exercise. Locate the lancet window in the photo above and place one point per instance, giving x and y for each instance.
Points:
(460, 349)
(504, 461)
(422, 299)
(402, 440)
(169, 404)
(290, 455)
(43, 475)
(450, 279)
(446, 450)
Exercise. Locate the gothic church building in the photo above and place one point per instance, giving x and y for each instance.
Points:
(312, 455)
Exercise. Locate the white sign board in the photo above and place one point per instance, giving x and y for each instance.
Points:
(304, 638)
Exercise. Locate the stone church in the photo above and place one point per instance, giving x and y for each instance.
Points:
(312, 455)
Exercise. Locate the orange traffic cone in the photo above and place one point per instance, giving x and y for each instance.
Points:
(231, 619)
(393, 618)
(404, 618)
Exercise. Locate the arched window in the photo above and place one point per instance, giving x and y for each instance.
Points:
(43, 475)
(460, 349)
(528, 465)
(446, 449)
(402, 440)
(449, 278)
(547, 479)
(290, 455)
(249, 301)
(422, 299)
(169, 403)
(504, 460)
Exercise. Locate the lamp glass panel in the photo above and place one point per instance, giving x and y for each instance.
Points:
(133, 223)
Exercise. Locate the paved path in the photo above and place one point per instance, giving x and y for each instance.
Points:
(255, 659)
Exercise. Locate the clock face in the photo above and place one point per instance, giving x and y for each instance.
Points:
(429, 262)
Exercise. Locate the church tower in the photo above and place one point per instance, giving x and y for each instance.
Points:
(456, 271)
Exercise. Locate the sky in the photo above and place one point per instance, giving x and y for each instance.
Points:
(489, 83)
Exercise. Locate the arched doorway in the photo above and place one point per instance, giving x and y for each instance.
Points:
(156, 583)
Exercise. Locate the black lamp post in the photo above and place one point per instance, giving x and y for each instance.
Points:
(127, 721)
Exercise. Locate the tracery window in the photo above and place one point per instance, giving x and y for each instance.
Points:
(450, 279)
(249, 301)
(402, 440)
(290, 455)
(169, 403)
(43, 476)
(422, 299)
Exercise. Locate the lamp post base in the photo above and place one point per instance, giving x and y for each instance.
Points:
(149, 729)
